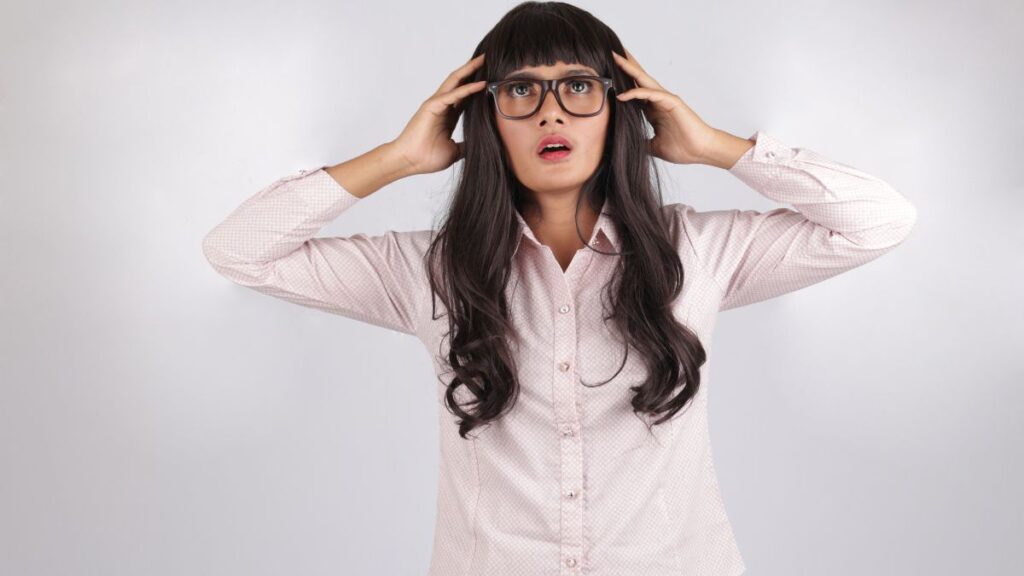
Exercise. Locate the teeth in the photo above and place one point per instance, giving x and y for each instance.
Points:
(554, 147)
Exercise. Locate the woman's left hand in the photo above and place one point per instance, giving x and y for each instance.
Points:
(680, 136)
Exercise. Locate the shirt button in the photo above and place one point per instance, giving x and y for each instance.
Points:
(567, 431)
(770, 154)
(564, 366)
(564, 308)
(570, 494)
(570, 562)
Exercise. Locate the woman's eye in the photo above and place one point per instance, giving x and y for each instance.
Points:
(579, 86)
(521, 86)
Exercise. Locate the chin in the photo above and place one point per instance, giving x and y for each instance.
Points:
(554, 183)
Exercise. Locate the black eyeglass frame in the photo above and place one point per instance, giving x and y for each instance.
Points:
(550, 85)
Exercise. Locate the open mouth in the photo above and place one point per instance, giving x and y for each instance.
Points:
(555, 152)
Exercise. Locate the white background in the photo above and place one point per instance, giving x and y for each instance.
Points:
(157, 419)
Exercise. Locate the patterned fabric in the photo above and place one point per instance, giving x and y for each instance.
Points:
(570, 481)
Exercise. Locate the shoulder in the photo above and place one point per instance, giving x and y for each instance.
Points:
(711, 229)
(695, 222)
(402, 253)
(407, 242)
(686, 225)
(703, 236)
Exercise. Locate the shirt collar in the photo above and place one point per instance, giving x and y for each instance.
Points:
(604, 226)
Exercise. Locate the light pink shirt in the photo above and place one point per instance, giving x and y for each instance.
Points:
(570, 482)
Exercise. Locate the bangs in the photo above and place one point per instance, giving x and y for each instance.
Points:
(543, 38)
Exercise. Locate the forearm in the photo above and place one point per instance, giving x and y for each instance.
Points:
(371, 171)
(725, 149)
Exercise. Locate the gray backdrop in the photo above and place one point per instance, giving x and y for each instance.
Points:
(156, 419)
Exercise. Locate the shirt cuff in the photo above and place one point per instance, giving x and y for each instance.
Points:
(319, 177)
(767, 151)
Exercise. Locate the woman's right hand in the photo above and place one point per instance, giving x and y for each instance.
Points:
(426, 144)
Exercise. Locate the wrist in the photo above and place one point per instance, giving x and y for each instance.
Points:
(370, 171)
(725, 149)
(395, 162)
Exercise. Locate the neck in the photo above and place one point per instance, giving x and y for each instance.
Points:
(553, 220)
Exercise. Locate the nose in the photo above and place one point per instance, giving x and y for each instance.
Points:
(550, 109)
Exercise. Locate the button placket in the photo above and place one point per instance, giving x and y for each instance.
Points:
(563, 392)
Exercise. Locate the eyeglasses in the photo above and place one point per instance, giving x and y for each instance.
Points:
(578, 95)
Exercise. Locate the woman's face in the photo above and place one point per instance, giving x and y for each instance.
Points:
(585, 135)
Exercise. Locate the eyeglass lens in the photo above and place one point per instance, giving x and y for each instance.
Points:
(579, 96)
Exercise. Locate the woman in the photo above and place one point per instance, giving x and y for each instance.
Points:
(561, 286)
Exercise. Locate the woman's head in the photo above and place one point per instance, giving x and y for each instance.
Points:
(471, 256)
(550, 40)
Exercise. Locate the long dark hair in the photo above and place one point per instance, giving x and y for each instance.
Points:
(473, 255)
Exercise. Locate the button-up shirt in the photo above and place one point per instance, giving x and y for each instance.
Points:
(571, 481)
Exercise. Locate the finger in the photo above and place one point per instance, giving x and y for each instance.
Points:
(454, 96)
(655, 96)
(649, 94)
(633, 68)
(461, 72)
(638, 73)
(630, 58)
(633, 59)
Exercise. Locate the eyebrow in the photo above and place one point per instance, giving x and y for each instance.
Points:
(532, 76)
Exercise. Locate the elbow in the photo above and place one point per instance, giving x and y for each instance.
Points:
(900, 217)
(896, 230)
(911, 215)
(905, 217)
(903, 220)
(242, 272)
(897, 222)
(212, 252)
(217, 256)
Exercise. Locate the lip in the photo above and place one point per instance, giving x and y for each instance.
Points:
(553, 139)
(556, 157)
